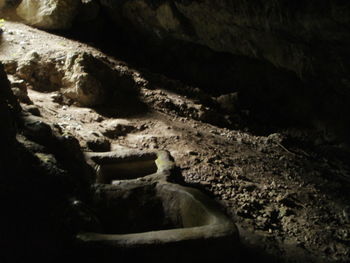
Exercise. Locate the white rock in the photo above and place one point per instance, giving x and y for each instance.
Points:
(48, 14)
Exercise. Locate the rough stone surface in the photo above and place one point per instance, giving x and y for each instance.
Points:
(118, 128)
(308, 39)
(80, 76)
(91, 81)
(39, 72)
(19, 89)
(278, 31)
(287, 192)
(48, 14)
(99, 145)
(40, 171)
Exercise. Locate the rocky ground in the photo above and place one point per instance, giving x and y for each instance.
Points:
(288, 196)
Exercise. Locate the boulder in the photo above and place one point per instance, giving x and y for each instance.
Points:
(90, 81)
(48, 14)
(84, 78)
(40, 71)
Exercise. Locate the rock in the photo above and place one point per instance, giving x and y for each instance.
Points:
(42, 73)
(277, 44)
(36, 129)
(90, 81)
(99, 145)
(33, 110)
(228, 102)
(83, 81)
(48, 14)
(115, 129)
(275, 138)
(285, 211)
(19, 89)
(36, 178)
(81, 77)
(57, 97)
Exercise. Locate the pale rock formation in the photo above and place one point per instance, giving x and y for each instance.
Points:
(48, 14)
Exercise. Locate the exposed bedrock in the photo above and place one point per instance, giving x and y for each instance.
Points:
(300, 37)
(288, 61)
(42, 172)
(300, 48)
(48, 14)
(81, 77)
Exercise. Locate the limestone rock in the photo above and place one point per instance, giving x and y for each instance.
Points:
(81, 77)
(90, 81)
(48, 14)
(19, 89)
(42, 73)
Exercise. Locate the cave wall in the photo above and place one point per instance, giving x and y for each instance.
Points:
(307, 40)
(40, 172)
(288, 61)
(306, 37)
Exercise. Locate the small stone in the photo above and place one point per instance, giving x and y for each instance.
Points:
(99, 145)
(211, 178)
(99, 119)
(57, 97)
(115, 130)
(198, 134)
(33, 110)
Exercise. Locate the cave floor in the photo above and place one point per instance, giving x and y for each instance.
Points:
(290, 201)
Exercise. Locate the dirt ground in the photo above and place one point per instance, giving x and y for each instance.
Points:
(289, 198)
